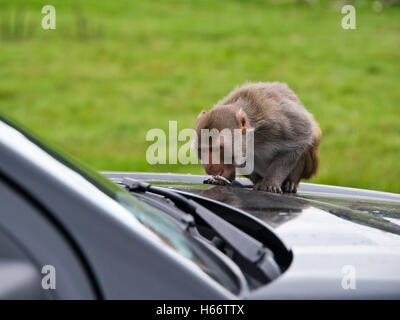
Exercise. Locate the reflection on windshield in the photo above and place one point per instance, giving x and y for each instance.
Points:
(270, 208)
(278, 209)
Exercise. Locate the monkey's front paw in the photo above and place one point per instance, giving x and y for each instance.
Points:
(217, 180)
(267, 187)
(289, 187)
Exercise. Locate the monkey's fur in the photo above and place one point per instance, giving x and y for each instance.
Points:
(286, 136)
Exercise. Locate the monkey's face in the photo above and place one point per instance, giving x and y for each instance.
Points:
(215, 161)
(215, 139)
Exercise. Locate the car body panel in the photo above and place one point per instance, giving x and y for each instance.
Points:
(125, 259)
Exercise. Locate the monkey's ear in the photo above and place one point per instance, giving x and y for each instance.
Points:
(201, 114)
(202, 120)
(242, 119)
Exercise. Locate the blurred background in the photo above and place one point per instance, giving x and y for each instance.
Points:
(112, 70)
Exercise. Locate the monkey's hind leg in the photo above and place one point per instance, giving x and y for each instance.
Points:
(254, 177)
(277, 172)
(292, 181)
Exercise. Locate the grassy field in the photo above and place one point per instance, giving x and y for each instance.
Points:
(112, 70)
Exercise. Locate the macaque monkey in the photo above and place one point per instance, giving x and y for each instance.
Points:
(286, 136)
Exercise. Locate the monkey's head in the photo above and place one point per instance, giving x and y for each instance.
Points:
(215, 133)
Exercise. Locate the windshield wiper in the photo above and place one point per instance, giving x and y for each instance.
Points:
(251, 252)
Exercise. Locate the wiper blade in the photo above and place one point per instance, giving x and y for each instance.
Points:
(250, 250)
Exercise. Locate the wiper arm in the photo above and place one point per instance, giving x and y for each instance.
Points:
(250, 250)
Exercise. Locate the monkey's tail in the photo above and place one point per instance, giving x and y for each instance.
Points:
(311, 162)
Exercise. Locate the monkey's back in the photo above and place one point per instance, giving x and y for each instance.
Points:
(259, 92)
(274, 109)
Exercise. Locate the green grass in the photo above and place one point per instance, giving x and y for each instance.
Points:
(140, 64)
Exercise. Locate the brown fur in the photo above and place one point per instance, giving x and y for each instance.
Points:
(286, 135)
(312, 156)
